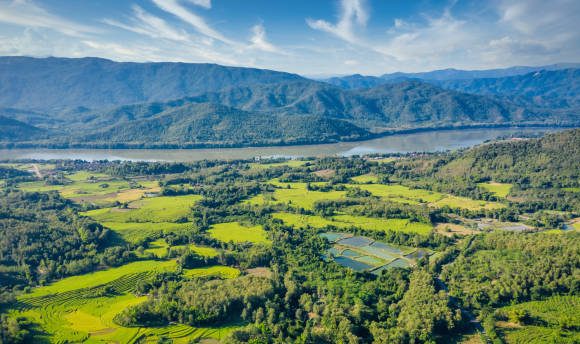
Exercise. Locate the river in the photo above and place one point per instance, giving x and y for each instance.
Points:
(429, 141)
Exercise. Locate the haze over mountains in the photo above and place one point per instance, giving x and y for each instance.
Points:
(96, 102)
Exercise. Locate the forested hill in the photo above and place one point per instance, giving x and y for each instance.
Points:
(49, 84)
(293, 112)
(553, 160)
(100, 103)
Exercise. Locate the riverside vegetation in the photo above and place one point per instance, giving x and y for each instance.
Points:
(474, 246)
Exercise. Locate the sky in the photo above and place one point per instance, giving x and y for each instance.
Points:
(309, 37)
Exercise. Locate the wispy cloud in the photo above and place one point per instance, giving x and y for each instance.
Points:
(147, 24)
(26, 13)
(196, 21)
(202, 3)
(353, 14)
(260, 41)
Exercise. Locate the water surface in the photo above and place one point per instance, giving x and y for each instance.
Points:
(430, 141)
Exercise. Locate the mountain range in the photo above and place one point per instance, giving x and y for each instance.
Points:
(94, 102)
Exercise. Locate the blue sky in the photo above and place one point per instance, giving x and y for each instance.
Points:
(314, 37)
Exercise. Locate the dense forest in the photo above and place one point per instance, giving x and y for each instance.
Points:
(474, 246)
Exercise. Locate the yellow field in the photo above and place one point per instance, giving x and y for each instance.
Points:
(235, 232)
(365, 179)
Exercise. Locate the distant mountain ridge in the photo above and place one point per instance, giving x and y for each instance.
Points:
(367, 81)
(100, 103)
(51, 84)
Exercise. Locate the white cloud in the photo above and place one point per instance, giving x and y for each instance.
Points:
(202, 3)
(26, 13)
(352, 14)
(175, 8)
(146, 24)
(260, 41)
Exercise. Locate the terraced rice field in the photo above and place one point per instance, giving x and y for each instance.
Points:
(499, 189)
(72, 310)
(346, 221)
(236, 232)
(364, 254)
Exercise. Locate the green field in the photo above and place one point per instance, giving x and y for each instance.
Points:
(365, 179)
(297, 195)
(154, 209)
(135, 232)
(215, 271)
(70, 311)
(499, 189)
(547, 323)
(403, 194)
(235, 232)
(345, 221)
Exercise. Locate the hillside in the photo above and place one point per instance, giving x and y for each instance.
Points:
(551, 160)
(52, 84)
(210, 124)
(13, 130)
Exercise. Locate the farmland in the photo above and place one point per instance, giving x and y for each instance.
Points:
(322, 250)
(236, 232)
(345, 221)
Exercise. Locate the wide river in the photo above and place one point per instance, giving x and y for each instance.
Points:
(429, 141)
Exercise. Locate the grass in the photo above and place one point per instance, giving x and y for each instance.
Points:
(215, 271)
(235, 232)
(154, 209)
(498, 189)
(136, 232)
(547, 318)
(346, 221)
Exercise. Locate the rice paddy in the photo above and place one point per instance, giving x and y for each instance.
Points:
(236, 232)
(346, 221)
(365, 254)
(70, 310)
